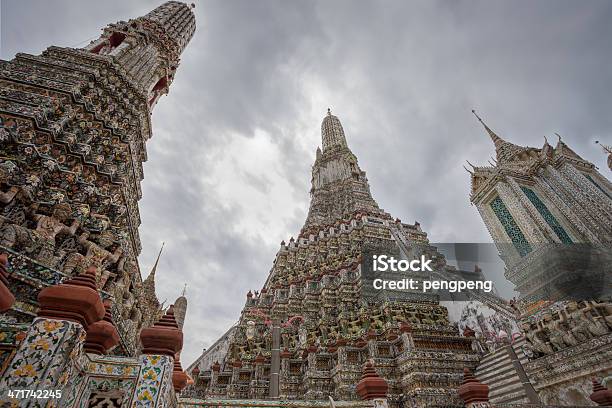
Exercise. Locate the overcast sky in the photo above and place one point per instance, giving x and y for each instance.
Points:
(229, 163)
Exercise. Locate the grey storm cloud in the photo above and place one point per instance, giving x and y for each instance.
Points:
(229, 163)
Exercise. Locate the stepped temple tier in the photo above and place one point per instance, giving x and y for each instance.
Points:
(308, 332)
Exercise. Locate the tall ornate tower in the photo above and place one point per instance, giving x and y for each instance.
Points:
(549, 212)
(307, 332)
(73, 128)
(538, 204)
(339, 186)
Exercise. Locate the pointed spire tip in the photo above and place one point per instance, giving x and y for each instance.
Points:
(154, 269)
(496, 139)
(606, 149)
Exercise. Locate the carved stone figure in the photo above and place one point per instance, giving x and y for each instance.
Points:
(302, 336)
(597, 326)
(566, 333)
(579, 325)
(98, 254)
(250, 331)
(536, 341)
(554, 335)
(40, 242)
(605, 310)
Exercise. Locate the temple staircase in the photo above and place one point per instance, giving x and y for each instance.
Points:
(502, 370)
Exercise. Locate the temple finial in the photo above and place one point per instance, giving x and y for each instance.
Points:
(496, 139)
(466, 169)
(159, 254)
(471, 165)
(184, 290)
(559, 137)
(154, 269)
(332, 133)
(606, 149)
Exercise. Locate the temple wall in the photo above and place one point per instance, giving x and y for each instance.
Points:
(565, 376)
(50, 357)
(193, 402)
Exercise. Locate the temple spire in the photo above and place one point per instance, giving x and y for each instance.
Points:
(496, 139)
(154, 269)
(148, 286)
(605, 148)
(332, 133)
(504, 150)
(149, 282)
(339, 187)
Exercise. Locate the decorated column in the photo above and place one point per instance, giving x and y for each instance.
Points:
(214, 375)
(45, 359)
(195, 374)
(275, 362)
(372, 386)
(312, 357)
(406, 336)
(473, 392)
(371, 343)
(102, 335)
(341, 344)
(236, 366)
(285, 356)
(259, 362)
(179, 377)
(160, 343)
